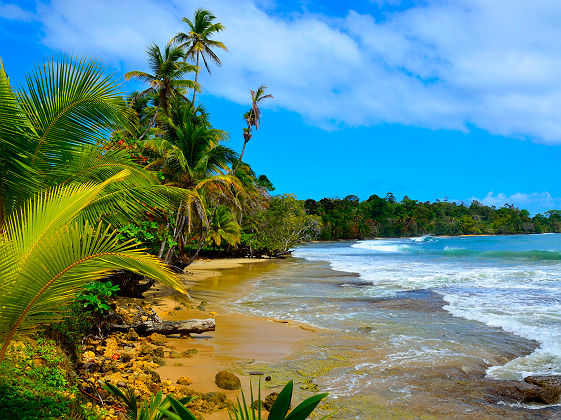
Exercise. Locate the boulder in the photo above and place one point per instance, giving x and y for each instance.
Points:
(227, 380)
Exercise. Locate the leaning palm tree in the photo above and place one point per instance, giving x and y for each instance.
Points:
(253, 117)
(191, 156)
(197, 43)
(167, 80)
(49, 252)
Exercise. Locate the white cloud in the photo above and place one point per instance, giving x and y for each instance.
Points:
(443, 64)
(534, 202)
(14, 12)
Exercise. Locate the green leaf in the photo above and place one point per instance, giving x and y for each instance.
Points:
(282, 403)
(305, 408)
(184, 413)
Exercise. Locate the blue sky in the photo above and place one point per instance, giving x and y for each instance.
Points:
(430, 99)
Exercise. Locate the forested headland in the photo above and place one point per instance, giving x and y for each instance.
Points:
(350, 218)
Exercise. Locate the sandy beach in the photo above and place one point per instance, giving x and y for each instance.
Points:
(239, 341)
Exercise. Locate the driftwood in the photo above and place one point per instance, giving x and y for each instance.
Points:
(146, 323)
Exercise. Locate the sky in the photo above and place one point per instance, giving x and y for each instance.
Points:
(432, 99)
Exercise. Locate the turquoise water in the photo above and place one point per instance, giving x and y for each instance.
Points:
(509, 282)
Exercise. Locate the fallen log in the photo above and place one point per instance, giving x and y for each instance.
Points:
(150, 326)
(146, 323)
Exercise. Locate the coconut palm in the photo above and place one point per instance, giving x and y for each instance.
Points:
(49, 252)
(223, 228)
(192, 157)
(167, 80)
(64, 105)
(253, 116)
(197, 43)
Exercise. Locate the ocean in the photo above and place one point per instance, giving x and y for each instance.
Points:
(408, 308)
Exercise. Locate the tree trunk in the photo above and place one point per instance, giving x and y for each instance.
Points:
(179, 222)
(241, 156)
(151, 122)
(203, 238)
(196, 79)
(156, 325)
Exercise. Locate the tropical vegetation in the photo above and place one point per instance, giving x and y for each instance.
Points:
(349, 218)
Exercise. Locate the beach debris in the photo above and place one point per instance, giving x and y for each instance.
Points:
(146, 322)
(256, 373)
(227, 380)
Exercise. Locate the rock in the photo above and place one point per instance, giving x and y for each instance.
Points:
(159, 361)
(270, 400)
(128, 348)
(183, 380)
(550, 387)
(157, 339)
(121, 384)
(255, 404)
(132, 335)
(159, 351)
(126, 357)
(154, 375)
(227, 380)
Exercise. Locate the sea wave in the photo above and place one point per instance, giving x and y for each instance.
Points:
(382, 246)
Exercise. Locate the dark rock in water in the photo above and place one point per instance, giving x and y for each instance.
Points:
(550, 387)
(227, 380)
(270, 400)
(365, 330)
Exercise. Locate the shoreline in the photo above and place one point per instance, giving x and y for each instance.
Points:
(239, 341)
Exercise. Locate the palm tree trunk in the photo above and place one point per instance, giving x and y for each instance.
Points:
(241, 156)
(203, 238)
(179, 222)
(152, 122)
(163, 246)
(196, 79)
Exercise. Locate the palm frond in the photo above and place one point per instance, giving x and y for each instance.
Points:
(48, 255)
(70, 102)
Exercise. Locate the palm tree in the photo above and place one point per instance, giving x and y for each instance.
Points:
(192, 157)
(167, 80)
(197, 43)
(223, 227)
(49, 252)
(253, 117)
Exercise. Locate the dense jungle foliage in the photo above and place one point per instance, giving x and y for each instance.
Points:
(349, 218)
